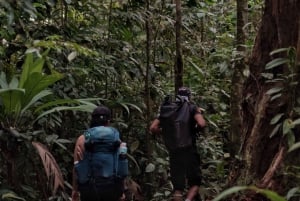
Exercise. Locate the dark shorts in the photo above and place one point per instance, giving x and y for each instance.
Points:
(93, 192)
(185, 167)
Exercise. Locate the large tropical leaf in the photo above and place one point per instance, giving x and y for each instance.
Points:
(36, 98)
(30, 66)
(82, 108)
(38, 82)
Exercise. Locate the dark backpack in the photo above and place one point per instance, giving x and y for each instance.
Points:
(175, 121)
(101, 165)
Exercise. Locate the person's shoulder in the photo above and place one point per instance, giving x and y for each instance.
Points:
(80, 139)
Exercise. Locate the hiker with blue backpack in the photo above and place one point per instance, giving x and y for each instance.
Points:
(178, 122)
(100, 163)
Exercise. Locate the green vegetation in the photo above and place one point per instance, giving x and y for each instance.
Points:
(59, 59)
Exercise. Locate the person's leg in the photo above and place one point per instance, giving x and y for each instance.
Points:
(193, 174)
(192, 192)
(177, 172)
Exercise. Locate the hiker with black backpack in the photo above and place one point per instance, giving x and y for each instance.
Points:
(100, 163)
(179, 122)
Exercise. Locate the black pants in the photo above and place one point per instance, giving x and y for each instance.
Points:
(185, 166)
(100, 192)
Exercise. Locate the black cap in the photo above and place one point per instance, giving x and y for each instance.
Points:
(184, 91)
(102, 111)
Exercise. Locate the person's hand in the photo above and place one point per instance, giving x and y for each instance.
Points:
(75, 196)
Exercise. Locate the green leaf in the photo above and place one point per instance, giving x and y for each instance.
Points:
(276, 118)
(296, 122)
(229, 191)
(11, 99)
(294, 147)
(275, 130)
(82, 108)
(134, 146)
(271, 195)
(279, 51)
(274, 90)
(287, 126)
(13, 83)
(11, 196)
(150, 168)
(292, 192)
(276, 62)
(3, 81)
(36, 98)
(37, 83)
(72, 56)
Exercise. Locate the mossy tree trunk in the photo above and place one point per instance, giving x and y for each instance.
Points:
(237, 77)
(262, 150)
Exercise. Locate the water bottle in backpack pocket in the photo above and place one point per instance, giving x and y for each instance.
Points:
(122, 161)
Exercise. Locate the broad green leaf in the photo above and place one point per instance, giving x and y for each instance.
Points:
(274, 90)
(26, 69)
(276, 62)
(31, 66)
(276, 96)
(276, 118)
(294, 147)
(134, 146)
(275, 130)
(11, 196)
(296, 122)
(36, 98)
(230, 191)
(38, 82)
(89, 106)
(82, 108)
(197, 68)
(287, 126)
(72, 56)
(3, 81)
(290, 138)
(150, 168)
(292, 192)
(11, 99)
(279, 50)
(273, 196)
(13, 83)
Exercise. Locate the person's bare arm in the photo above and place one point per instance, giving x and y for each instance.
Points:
(154, 127)
(199, 118)
(78, 155)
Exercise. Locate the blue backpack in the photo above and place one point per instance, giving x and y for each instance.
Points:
(101, 164)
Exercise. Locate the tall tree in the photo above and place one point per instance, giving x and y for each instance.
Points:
(237, 78)
(178, 62)
(268, 95)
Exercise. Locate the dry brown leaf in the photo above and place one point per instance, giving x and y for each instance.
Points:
(52, 169)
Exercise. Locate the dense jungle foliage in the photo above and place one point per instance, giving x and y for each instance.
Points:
(60, 58)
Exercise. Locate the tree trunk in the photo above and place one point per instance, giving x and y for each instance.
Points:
(178, 62)
(237, 77)
(262, 154)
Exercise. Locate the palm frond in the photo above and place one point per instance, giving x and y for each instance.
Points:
(52, 169)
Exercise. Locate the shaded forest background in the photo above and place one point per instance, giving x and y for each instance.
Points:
(60, 58)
